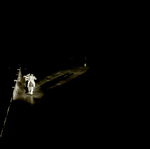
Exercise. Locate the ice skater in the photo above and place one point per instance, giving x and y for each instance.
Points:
(31, 83)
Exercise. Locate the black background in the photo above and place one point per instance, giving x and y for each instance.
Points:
(43, 42)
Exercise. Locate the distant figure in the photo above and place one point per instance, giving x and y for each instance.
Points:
(31, 83)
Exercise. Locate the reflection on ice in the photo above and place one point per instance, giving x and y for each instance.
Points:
(30, 100)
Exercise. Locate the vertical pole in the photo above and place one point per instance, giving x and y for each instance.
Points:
(8, 109)
(85, 58)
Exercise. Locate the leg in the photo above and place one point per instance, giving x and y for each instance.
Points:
(32, 90)
(33, 83)
(29, 90)
(28, 83)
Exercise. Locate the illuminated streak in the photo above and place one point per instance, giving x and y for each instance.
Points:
(14, 94)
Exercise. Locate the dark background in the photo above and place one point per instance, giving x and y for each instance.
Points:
(44, 45)
(56, 35)
(42, 42)
(50, 38)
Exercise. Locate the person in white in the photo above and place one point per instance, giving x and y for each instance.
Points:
(31, 80)
(31, 83)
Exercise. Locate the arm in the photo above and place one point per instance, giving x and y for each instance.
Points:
(26, 78)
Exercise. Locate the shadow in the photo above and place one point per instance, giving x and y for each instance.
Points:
(70, 95)
(55, 81)
(26, 88)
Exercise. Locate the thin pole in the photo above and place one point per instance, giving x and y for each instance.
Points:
(8, 109)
